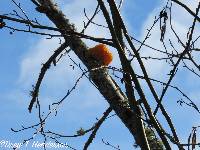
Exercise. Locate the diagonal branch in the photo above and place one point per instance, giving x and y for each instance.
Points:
(106, 85)
(140, 91)
(126, 76)
(42, 73)
(187, 8)
(97, 126)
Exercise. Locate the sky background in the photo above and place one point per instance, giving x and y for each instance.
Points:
(23, 53)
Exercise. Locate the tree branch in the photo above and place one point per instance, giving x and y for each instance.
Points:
(106, 85)
(188, 9)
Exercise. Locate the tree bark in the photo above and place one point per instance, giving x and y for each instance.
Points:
(106, 85)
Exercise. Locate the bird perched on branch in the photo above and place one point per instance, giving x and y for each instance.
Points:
(101, 53)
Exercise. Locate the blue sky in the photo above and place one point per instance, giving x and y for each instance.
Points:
(23, 53)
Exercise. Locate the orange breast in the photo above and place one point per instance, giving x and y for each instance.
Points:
(101, 53)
